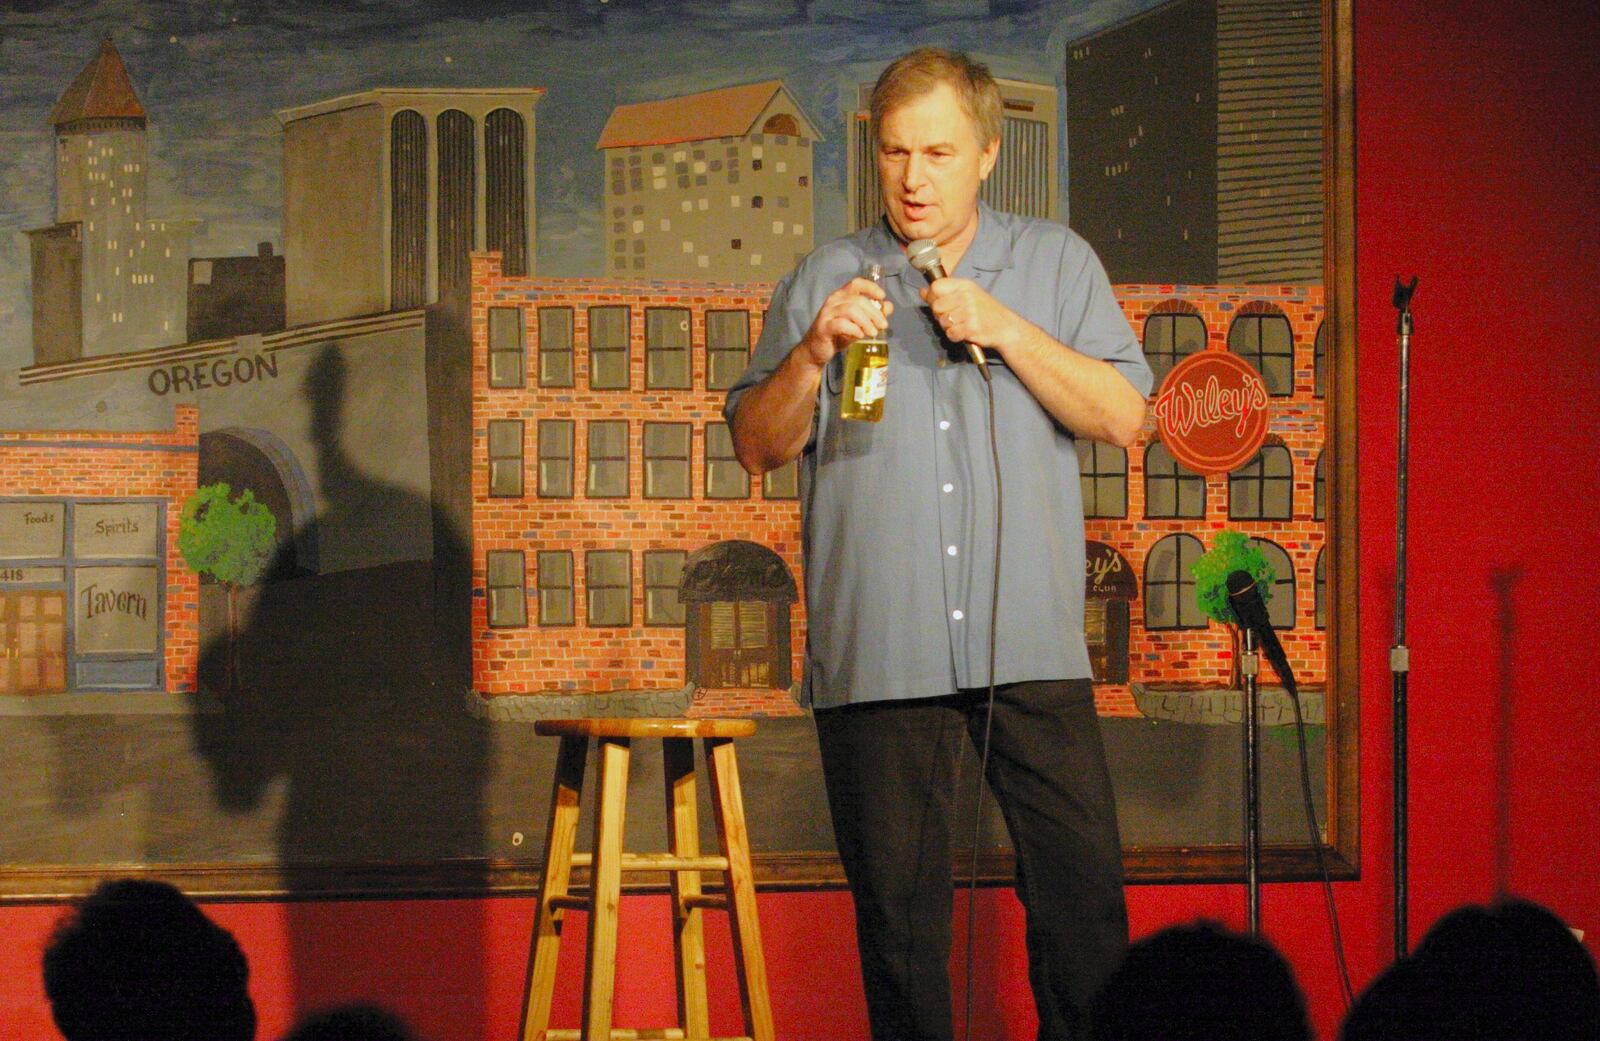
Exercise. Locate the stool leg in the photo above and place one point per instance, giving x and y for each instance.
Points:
(689, 936)
(750, 962)
(600, 975)
(558, 843)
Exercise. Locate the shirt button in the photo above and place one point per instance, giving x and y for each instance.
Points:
(948, 488)
(950, 550)
(957, 615)
(944, 424)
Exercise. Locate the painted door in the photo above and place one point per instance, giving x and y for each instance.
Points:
(33, 641)
(738, 644)
(1105, 629)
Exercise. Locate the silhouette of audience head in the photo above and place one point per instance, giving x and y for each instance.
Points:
(358, 1022)
(1200, 982)
(138, 959)
(1508, 970)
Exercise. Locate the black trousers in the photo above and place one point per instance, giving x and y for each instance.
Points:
(890, 770)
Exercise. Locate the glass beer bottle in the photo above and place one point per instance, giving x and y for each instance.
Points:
(866, 371)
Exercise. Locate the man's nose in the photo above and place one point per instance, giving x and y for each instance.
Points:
(916, 172)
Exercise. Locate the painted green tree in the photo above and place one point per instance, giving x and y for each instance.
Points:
(232, 540)
(1230, 551)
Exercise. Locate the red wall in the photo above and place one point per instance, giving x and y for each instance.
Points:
(1476, 153)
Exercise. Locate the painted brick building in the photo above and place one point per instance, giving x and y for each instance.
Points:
(603, 478)
(94, 594)
(1276, 498)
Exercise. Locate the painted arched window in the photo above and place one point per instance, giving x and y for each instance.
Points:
(458, 193)
(1319, 490)
(408, 210)
(1170, 337)
(506, 188)
(1280, 608)
(1170, 488)
(1321, 615)
(1263, 488)
(1169, 601)
(1319, 354)
(1263, 338)
(782, 123)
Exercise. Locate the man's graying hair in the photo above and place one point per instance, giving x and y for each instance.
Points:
(917, 72)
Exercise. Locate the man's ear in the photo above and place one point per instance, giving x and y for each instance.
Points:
(987, 159)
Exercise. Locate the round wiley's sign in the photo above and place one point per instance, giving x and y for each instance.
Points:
(1211, 411)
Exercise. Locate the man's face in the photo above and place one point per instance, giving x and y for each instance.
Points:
(931, 164)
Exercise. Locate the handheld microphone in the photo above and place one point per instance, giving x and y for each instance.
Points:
(924, 256)
(1251, 612)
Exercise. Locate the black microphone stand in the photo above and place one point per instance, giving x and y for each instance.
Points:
(1248, 668)
(1400, 654)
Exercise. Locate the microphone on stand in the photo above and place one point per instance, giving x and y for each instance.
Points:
(1251, 612)
(924, 256)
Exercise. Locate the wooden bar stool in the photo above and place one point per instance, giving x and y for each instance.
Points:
(682, 861)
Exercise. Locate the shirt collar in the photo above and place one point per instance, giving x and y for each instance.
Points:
(990, 249)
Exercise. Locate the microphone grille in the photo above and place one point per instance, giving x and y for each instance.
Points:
(923, 255)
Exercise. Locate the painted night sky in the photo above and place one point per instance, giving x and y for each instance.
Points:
(212, 75)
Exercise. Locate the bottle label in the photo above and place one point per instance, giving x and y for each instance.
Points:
(873, 384)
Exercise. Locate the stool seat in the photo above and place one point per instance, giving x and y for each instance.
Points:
(643, 726)
(682, 861)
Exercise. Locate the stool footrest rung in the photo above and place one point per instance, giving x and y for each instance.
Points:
(567, 902)
(705, 902)
(658, 862)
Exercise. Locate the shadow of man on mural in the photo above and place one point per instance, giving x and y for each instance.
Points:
(350, 722)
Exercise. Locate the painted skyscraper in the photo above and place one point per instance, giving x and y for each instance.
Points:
(106, 278)
(387, 192)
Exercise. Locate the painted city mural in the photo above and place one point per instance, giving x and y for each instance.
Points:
(314, 320)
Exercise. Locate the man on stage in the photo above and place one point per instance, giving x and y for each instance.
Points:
(900, 529)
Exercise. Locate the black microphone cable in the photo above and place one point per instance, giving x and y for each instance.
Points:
(988, 715)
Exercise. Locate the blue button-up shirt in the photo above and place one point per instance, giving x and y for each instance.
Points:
(898, 517)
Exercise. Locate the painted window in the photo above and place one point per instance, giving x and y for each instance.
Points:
(1280, 609)
(505, 458)
(1320, 617)
(507, 354)
(555, 347)
(1169, 600)
(608, 578)
(1170, 488)
(1319, 490)
(666, 348)
(1170, 338)
(555, 458)
(782, 483)
(1265, 341)
(663, 572)
(608, 347)
(555, 587)
(667, 461)
(1319, 355)
(725, 478)
(608, 460)
(727, 346)
(1263, 488)
(508, 599)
